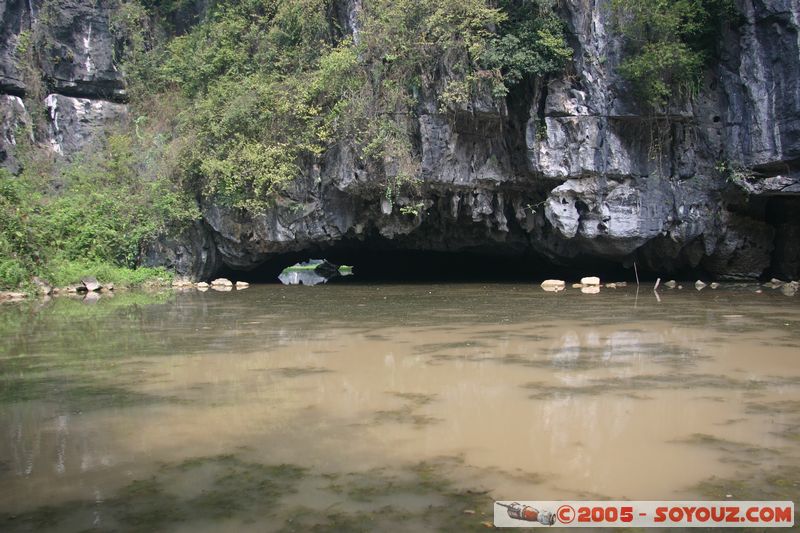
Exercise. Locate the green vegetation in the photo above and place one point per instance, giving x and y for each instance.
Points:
(88, 217)
(669, 42)
(269, 85)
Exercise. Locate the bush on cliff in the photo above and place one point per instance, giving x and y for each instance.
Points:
(270, 85)
(668, 44)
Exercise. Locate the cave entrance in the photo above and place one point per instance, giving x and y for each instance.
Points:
(376, 265)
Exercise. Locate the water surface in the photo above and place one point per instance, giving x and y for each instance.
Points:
(389, 407)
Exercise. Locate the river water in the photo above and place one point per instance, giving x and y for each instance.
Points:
(389, 407)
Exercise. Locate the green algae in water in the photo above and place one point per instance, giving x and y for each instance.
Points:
(298, 371)
(407, 414)
(230, 487)
(781, 483)
(73, 394)
(731, 451)
(653, 382)
(249, 492)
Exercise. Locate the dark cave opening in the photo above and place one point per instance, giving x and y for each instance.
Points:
(783, 214)
(394, 265)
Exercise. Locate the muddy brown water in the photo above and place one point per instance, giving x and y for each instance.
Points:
(389, 407)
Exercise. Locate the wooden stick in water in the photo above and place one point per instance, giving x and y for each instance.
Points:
(636, 271)
(657, 283)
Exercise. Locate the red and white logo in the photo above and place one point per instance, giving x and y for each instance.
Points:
(644, 514)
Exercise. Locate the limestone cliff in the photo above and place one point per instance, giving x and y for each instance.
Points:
(565, 169)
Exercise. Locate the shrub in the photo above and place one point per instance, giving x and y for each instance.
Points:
(668, 43)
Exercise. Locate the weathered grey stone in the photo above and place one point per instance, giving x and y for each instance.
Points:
(191, 253)
(760, 80)
(743, 249)
(14, 20)
(15, 124)
(76, 123)
(90, 283)
(554, 285)
(771, 186)
(77, 49)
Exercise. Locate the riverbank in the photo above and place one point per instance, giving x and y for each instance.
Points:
(65, 277)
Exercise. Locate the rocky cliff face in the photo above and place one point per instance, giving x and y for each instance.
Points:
(82, 87)
(568, 170)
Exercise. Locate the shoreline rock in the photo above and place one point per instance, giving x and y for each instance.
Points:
(554, 285)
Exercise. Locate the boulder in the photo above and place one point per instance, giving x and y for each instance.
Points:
(221, 282)
(241, 285)
(90, 283)
(592, 280)
(699, 285)
(554, 285)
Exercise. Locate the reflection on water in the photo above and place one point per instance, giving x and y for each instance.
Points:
(388, 407)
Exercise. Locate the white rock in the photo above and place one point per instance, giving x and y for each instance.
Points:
(577, 285)
(554, 285)
(714, 285)
(671, 284)
(202, 285)
(221, 282)
(699, 285)
(592, 280)
(91, 284)
(241, 285)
